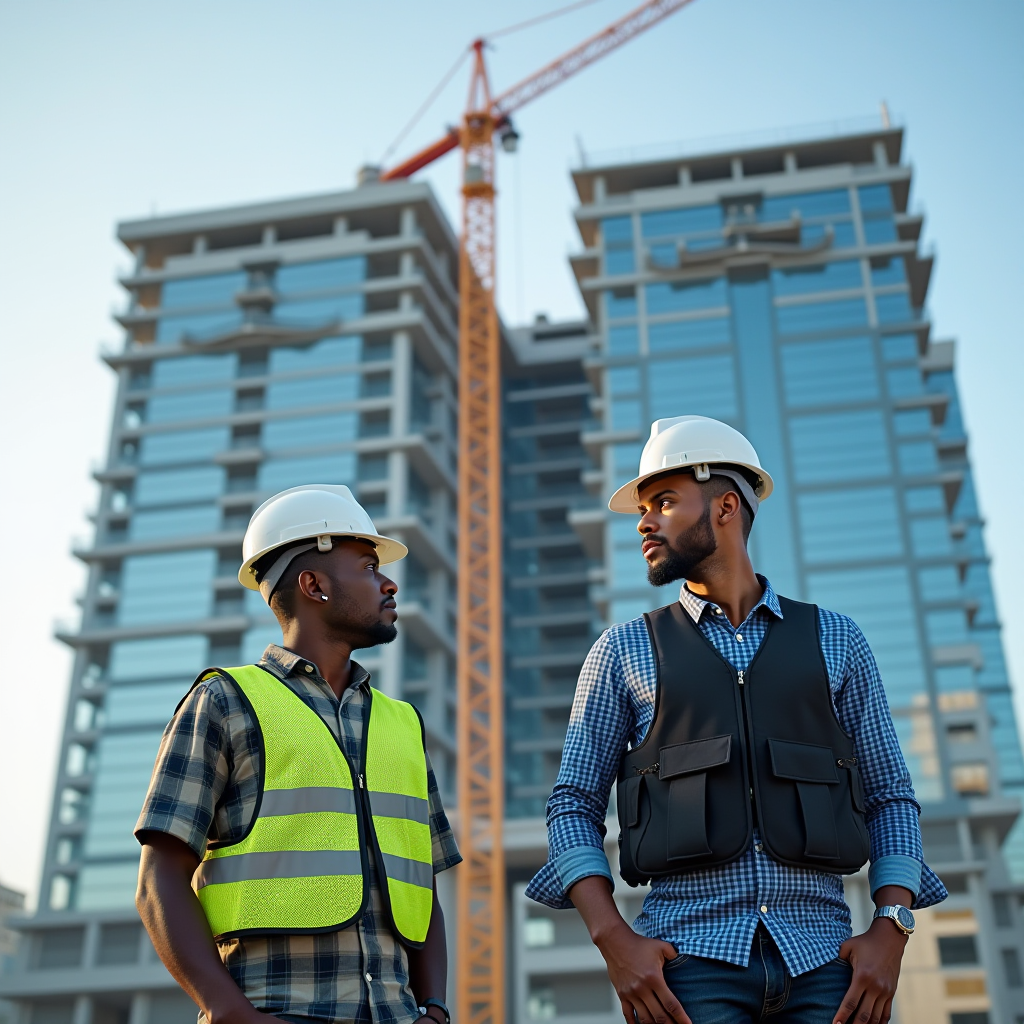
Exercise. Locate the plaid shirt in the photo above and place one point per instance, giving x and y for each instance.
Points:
(714, 912)
(204, 787)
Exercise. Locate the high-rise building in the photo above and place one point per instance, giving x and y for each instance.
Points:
(265, 346)
(11, 902)
(781, 288)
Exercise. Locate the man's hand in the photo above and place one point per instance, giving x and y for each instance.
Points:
(636, 967)
(875, 957)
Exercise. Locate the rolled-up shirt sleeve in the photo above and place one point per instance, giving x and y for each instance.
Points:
(891, 808)
(601, 721)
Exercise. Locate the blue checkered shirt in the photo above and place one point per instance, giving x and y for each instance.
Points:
(714, 912)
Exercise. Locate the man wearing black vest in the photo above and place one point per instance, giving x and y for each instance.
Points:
(755, 763)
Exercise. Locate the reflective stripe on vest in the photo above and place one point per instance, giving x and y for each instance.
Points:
(300, 867)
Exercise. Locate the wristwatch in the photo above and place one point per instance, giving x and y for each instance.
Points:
(900, 916)
(427, 1003)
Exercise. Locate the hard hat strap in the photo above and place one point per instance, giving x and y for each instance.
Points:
(273, 575)
(741, 482)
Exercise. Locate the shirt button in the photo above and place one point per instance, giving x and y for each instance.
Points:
(758, 847)
(368, 976)
(739, 637)
(764, 910)
(716, 609)
(309, 668)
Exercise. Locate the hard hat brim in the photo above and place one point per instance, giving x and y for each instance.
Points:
(388, 550)
(627, 498)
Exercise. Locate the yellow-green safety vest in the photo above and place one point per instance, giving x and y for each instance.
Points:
(301, 866)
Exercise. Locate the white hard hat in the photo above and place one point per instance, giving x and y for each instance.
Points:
(312, 512)
(707, 446)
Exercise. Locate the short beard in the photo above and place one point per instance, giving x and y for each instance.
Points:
(359, 629)
(695, 546)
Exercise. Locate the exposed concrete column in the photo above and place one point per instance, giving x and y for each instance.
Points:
(91, 944)
(789, 160)
(737, 167)
(684, 175)
(881, 153)
(270, 234)
(401, 383)
(82, 1013)
(408, 227)
(599, 188)
(199, 245)
(341, 225)
(138, 1011)
(406, 264)
(140, 259)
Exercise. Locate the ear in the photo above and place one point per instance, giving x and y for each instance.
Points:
(313, 585)
(727, 509)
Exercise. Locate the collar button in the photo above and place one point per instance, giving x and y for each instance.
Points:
(309, 668)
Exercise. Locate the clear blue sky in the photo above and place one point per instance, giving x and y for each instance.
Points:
(115, 110)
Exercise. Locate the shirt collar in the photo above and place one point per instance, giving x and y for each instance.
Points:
(695, 605)
(283, 662)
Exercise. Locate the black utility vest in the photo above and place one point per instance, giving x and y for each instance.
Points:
(726, 747)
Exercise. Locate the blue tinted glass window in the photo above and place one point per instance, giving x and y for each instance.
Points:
(212, 290)
(626, 414)
(940, 583)
(619, 261)
(691, 221)
(904, 381)
(682, 334)
(948, 626)
(825, 372)
(978, 584)
(924, 499)
(145, 704)
(897, 348)
(825, 277)
(327, 390)
(326, 352)
(665, 254)
(176, 486)
(320, 275)
(623, 340)
(624, 528)
(682, 296)
(889, 623)
(173, 587)
(198, 326)
(190, 405)
(178, 657)
(702, 244)
(839, 446)
(702, 385)
(843, 234)
(834, 202)
(909, 422)
(279, 474)
(625, 460)
(169, 373)
(966, 506)
(310, 431)
(617, 229)
(878, 232)
(953, 678)
(875, 198)
(254, 642)
(888, 270)
(319, 311)
(624, 380)
(930, 537)
(188, 521)
(821, 316)
(849, 525)
(918, 458)
(620, 303)
(894, 308)
(183, 446)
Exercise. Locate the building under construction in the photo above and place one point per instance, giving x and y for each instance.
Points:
(780, 288)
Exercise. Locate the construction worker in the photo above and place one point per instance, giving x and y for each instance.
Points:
(756, 763)
(293, 828)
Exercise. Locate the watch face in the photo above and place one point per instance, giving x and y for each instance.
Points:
(905, 918)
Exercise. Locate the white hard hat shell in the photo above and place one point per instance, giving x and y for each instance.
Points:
(685, 441)
(307, 513)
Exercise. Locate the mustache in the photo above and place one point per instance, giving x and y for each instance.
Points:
(660, 537)
(389, 602)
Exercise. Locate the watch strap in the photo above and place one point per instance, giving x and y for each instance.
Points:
(893, 914)
(428, 1003)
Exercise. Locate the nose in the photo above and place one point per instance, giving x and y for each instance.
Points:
(645, 526)
(388, 586)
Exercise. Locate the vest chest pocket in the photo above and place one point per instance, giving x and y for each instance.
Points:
(685, 766)
(813, 770)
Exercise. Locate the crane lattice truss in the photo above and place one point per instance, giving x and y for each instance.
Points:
(480, 944)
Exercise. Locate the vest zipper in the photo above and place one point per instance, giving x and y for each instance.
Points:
(739, 677)
(740, 680)
(361, 781)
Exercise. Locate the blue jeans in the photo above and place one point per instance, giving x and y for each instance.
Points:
(715, 992)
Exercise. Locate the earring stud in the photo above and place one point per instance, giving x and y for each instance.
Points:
(323, 597)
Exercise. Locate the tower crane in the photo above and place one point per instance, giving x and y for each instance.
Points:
(480, 941)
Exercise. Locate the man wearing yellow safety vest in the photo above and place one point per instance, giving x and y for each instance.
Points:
(293, 827)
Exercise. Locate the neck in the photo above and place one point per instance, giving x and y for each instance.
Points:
(332, 657)
(729, 583)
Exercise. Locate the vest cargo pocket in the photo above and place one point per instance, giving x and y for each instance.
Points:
(684, 766)
(813, 769)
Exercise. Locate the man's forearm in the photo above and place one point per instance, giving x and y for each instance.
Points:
(428, 967)
(178, 928)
